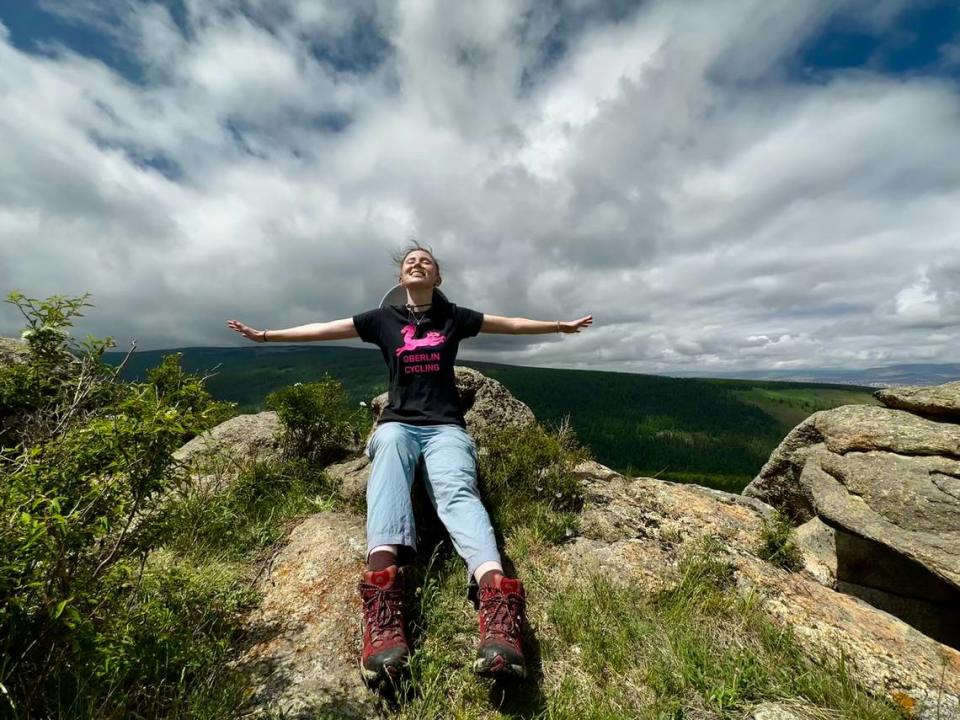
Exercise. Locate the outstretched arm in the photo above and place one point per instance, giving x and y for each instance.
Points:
(333, 330)
(522, 326)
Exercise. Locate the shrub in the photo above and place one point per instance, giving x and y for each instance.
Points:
(776, 543)
(61, 380)
(319, 423)
(85, 459)
(172, 633)
(188, 393)
(526, 475)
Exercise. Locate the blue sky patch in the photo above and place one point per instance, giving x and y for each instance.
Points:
(361, 50)
(913, 43)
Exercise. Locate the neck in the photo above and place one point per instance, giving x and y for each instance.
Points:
(419, 296)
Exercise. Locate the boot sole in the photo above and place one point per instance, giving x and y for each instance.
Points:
(387, 674)
(498, 670)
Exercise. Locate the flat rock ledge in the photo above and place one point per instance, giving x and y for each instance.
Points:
(938, 401)
(646, 525)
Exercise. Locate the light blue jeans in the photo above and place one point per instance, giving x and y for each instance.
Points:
(450, 459)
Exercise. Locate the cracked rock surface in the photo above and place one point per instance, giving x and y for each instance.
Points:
(886, 481)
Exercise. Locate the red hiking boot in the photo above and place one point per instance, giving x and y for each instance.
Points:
(501, 613)
(385, 649)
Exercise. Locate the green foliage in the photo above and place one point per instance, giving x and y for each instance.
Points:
(60, 380)
(527, 479)
(319, 422)
(170, 635)
(86, 459)
(187, 392)
(250, 514)
(776, 543)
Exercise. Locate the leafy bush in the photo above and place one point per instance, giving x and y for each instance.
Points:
(85, 458)
(319, 422)
(61, 380)
(776, 543)
(526, 476)
(188, 393)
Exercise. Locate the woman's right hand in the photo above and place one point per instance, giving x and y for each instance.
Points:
(245, 330)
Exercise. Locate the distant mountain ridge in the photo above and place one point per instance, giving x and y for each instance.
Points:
(904, 374)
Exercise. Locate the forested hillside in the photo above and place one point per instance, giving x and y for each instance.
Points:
(712, 432)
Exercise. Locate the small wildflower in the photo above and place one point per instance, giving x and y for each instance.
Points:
(362, 404)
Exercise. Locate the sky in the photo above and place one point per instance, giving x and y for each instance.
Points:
(722, 184)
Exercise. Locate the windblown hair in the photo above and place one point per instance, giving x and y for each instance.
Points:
(401, 254)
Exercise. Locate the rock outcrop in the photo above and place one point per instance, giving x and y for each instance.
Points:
(215, 456)
(645, 525)
(305, 634)
(885, 484)
(304, 641)
(939, 401)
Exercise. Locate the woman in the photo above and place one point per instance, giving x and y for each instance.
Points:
(423, 418)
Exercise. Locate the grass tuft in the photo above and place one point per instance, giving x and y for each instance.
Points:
(776, 543)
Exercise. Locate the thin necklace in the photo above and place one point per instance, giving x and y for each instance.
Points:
(413, 314)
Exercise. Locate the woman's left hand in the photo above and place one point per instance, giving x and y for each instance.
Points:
(575, 326)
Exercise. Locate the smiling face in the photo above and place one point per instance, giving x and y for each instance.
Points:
(419, 270)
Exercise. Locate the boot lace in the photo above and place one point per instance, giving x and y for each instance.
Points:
(382, 613)
(502, 613)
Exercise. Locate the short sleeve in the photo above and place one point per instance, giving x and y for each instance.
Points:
(368, 325)
(468, 322)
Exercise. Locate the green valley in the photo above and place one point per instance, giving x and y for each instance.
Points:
(713, 432)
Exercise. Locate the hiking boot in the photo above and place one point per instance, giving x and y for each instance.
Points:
(385, 649)
(502, 605)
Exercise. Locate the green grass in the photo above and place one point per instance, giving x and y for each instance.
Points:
(776, 543)
(251, 514)
(609, 650)
(699, 649)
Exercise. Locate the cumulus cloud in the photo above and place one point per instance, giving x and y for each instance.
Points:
(659, 167)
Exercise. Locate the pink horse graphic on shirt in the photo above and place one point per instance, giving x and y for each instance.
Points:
(431, 339)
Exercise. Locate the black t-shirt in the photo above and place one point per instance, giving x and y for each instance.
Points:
(420, 356)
